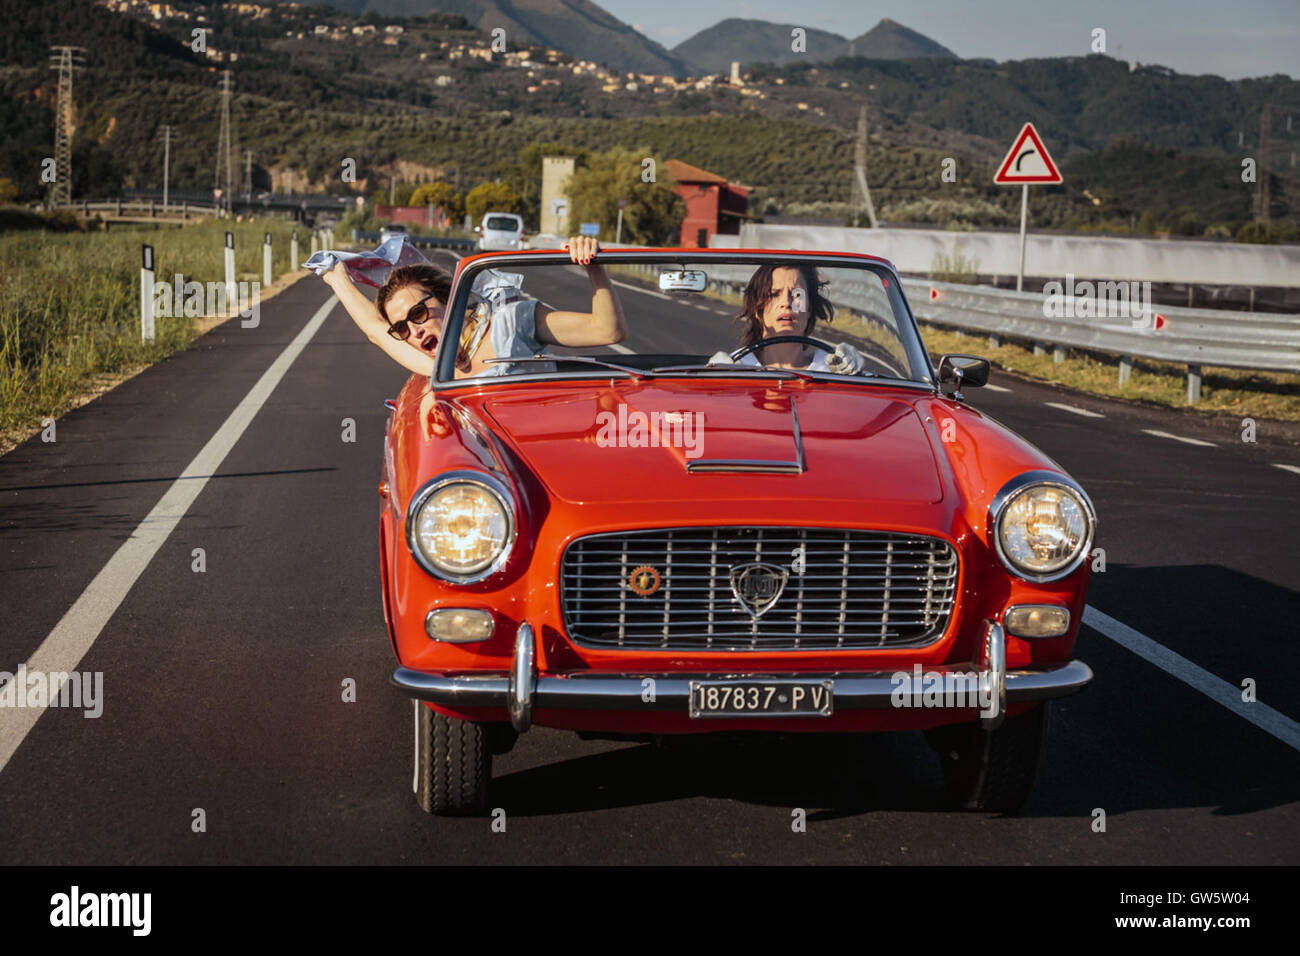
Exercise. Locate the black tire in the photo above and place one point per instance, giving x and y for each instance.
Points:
(992, 771)
(453, 764)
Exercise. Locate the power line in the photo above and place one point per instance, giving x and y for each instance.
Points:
(167, 156)
(225, 149)
(67, 59)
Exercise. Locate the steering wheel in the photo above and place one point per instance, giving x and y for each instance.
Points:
(778, 340)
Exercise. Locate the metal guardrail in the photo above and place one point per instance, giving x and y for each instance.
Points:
(429, 242)
(1192, 337)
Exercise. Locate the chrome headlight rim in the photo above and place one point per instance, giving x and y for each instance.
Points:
(1016, 487)
(489, 483)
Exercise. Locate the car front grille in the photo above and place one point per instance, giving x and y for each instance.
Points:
(858, 589)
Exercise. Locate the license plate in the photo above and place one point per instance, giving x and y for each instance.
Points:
(731, 698)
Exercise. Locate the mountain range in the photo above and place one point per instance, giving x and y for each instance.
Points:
(583, 29)
(753, 41)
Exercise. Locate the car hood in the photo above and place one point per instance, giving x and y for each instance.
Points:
(662, 440)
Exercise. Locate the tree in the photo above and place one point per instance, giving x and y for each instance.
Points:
(8, 191)
(654, 213)
(491, 197)
(442, 195)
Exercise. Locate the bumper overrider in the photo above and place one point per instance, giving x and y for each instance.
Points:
(522, 689)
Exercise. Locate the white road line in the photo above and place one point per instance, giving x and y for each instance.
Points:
(65, 646)
(1186, 441)
(1077, 411)
(1261, 715)
(1293, 468)
(995, 388)
(622, 348)
(637, 288)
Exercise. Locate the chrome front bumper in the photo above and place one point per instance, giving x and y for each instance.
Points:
(521, 691)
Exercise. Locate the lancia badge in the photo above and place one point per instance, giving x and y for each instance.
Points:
(758, 586)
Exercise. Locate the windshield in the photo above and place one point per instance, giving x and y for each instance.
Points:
(804, 316)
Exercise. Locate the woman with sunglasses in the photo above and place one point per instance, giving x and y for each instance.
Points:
(406, 318)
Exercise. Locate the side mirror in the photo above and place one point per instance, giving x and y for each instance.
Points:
(478, 228)
(958, 369)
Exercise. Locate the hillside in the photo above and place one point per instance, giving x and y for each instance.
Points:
(888, 40)
(713, 50)
(314, 87)
(577, 27)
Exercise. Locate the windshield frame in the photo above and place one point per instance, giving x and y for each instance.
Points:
(443, 377)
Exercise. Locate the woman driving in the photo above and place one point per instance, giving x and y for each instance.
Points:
(788, 301)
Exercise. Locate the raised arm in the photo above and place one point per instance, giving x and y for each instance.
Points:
(369, 320)
(603, 325)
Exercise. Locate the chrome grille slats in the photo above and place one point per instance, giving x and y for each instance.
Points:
(859, 589)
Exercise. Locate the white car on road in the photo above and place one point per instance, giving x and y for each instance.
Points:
(500, 230)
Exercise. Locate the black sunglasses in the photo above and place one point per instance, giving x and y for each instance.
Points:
(418, 315)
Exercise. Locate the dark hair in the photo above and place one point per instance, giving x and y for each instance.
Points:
(759, 292)
(434, 281)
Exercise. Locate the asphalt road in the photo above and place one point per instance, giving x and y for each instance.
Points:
(223, 688)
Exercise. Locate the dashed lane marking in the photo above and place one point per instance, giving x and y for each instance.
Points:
(1291, 468)
(1185, 441)
(1075, 410)
(637, 288)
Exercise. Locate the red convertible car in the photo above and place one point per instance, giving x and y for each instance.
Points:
(745, 516)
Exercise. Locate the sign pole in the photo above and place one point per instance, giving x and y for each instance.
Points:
(1024, 214)
(1026, 162)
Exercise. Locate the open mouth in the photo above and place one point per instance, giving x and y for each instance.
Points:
(429, 343)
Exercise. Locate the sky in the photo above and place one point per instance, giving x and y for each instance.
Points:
(1234, 39)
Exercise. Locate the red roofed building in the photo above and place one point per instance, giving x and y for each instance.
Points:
(712, 204)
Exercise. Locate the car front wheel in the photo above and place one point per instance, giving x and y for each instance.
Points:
(992, 770)
(453, 763)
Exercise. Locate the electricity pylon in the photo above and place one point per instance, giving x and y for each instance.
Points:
(66, 60)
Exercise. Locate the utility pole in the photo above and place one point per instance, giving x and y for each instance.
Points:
(167, 159)
(1265, 145)
(66, 60)
(248, 172)
(862, 193)
(225, 170)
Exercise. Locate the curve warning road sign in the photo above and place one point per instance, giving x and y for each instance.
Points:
(1027, 161)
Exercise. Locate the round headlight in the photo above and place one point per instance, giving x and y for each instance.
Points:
(1042, 528)
(460, 528)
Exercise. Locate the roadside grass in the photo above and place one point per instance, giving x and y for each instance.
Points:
(70, 305)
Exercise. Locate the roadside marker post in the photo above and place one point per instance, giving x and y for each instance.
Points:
(294, 264)
(146, 293)
(232, 291)
(1026, 162)
(266, 261)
